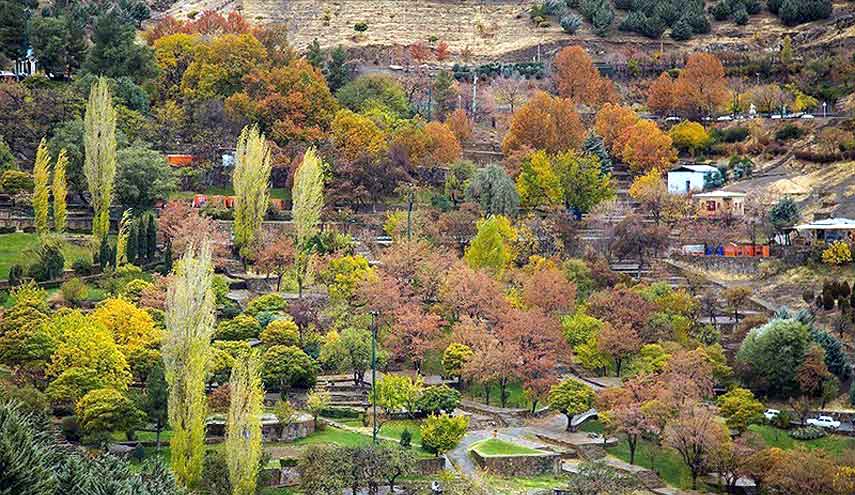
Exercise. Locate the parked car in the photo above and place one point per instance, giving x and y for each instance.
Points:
(672, 119)
(824, 422)
(808, 116)
(724, 118)
(776, 116)
(771, 414)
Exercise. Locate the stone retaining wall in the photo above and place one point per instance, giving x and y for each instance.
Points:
(730, 264)
(519, 465)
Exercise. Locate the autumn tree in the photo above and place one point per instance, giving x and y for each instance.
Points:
(356, 136)
(276, 257)
(695, 434)
(190, 326)
(510, 92)
(689, 136)
(660, 95)
(414, 333)
(549, 290)
(619, 342)
(571, 397)
(647, 148)
(99, 167)
(489, 249)
(612, 125)
(578, 80)
(701, 87)
(740, 409)
(460, 125)
(813, 372)
(251, 182)
(545, 122)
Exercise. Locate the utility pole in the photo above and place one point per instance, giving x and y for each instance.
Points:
(474, 94)
(374, 429)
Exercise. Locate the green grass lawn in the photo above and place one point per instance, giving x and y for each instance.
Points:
(513, 486)
(833, 444)
(14, 250)
(516, 396)
(495, 447)
(394, 429)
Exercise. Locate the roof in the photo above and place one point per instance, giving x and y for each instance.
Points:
(694, 168)
(721, 194)
(828, 224)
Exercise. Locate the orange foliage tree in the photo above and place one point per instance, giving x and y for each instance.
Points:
(647, 148)
(660, 96)
(701, 87)
(577, 79)
(612, 123)
(545, 122)
(460, 125)
(292, 103)
(444, 148)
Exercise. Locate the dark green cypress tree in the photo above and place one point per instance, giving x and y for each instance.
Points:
(105, 256)
(151, 231)
(315, 55)
(167, 259)
(338, 71)
(133, 235)
(682, 31)
(142, 238)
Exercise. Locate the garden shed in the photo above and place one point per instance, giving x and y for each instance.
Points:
(688, 177)
(829, 229)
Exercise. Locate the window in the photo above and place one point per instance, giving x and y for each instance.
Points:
(711, 205)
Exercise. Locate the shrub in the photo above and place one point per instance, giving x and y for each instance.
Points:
(439, 398)
(83, 266)
(132, 291)
(838, 253)
(266, 302)
(14, 181)
(808, 433)
(682, 31)
(732, 134)
(406, 438)
(241, 327)
(16, 274)
(442, 433)
(74, 291)
(788, 132)
(571, 23)
(360, 27)
(280, 332)
(49, 262)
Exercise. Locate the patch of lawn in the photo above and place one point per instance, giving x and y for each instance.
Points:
(835, 445)
(335, 436)
(14, 250)
(516, 395)
(393, 429)
(509, 486)
(495, 447)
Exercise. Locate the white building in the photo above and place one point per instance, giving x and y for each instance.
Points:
(687, 178)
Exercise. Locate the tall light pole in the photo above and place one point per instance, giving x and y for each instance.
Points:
(374, 429)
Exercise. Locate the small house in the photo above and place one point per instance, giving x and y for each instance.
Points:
(687, 178)
(718, 204)
(829, 230)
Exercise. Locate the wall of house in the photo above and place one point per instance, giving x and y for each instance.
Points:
(677, 182)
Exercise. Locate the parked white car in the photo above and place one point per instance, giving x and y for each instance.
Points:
(807, 116)
(724, 118)
(673, 118)
(824, 422)
(771, 414)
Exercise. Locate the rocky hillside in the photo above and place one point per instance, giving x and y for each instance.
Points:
(490, 29)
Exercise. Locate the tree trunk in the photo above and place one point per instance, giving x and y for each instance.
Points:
(569, 422)
(157, 436)
(632, 440)
(487, 394)
(279, 283)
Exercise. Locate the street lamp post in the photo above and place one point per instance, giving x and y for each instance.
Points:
(374, 376)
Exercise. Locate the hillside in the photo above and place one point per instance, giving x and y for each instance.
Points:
(490, 29)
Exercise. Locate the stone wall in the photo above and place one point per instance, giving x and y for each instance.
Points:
(730, 264)
(518, 465)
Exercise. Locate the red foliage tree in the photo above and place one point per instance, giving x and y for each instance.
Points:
(549, 290)
(414, 332)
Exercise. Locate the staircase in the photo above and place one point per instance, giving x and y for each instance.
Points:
(344, 392)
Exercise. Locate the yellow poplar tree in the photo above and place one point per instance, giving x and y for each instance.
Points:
(251, 182)
(99, 164)
(41, 192)
(307, 197)
(60, 191)
(243, 425)
(186, 350)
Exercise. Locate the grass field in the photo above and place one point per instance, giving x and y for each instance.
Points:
(495, 447)
(516, 395)
(833, 444)
(14, 250)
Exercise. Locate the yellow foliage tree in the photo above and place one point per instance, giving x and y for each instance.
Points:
(132, 327)
(356, 136)
(689, 136)
(838, 253)
(60, 191)
(647, 148)
(243, 425)
(538, 184)
(41, 192)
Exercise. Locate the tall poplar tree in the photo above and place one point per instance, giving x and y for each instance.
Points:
(186, 350)
(251, 182)
(99, 164)
(243, 425)
(60, 192)
(307, 201)
(41, 192)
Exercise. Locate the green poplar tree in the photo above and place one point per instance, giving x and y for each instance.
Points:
(99, 165)
(307, 197)
(41, 191)
(60, 192)
(243, 425)
(251, 182)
